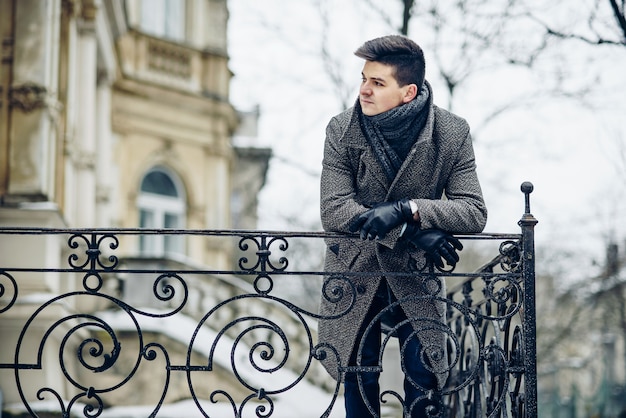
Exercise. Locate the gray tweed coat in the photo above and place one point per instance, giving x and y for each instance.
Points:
(439, 175)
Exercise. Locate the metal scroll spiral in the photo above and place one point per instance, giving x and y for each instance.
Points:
(506, 293)
(340, 291)
(263, 265)
(458, 350)
(510, 256)
(92, 344)
(257, 341)
(92, 258)
(12, 296)
(481, 365)
(93, 354)
(432, 332)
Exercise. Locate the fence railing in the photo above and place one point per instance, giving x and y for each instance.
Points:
(89, 331)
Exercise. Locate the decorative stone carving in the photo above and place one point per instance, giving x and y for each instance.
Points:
(169, 59)
(28, 97)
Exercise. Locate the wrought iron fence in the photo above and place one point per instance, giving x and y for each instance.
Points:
(87, 328)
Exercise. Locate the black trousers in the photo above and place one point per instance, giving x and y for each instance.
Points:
(361, 388)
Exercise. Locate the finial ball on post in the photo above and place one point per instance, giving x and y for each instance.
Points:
(527, 187)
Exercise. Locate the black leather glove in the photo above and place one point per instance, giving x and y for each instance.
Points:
(382, 218)
(437, 244)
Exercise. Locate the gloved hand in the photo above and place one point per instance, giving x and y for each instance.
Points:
(382, 218)
(437, 244)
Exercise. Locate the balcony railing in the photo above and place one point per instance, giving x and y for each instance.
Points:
(86, 330)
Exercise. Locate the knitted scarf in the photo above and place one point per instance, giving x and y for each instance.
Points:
(391, 134)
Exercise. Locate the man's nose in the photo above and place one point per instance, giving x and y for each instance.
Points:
(365, 89)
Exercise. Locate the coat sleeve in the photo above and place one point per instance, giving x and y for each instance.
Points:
(338, 206)
(463, 210)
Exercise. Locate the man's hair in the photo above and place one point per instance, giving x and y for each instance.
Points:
(404, 55)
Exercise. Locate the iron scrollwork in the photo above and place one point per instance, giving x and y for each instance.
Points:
(7, 284)
(264, 343)
(92, 257)
(263, 266)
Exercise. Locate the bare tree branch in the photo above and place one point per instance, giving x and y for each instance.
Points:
(619, 16)
(406, 16)
(593, 20)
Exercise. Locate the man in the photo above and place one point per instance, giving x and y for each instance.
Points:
(401, 172)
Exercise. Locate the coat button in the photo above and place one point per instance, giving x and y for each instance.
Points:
(360, 289)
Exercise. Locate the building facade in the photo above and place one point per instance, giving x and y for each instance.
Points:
(116, 114)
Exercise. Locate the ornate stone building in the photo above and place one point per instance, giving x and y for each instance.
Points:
(116, 114)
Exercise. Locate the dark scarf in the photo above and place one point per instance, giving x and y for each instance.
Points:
(391, 134)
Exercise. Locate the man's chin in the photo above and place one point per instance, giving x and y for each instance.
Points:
(368, 109)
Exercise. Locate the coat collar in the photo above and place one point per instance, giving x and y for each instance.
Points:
(413, 166)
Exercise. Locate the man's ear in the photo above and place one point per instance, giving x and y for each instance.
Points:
(410, 93)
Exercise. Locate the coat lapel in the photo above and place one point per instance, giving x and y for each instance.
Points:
(355, 138)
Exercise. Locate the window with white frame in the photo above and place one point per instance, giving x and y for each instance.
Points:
(164, 18)
(161, 204)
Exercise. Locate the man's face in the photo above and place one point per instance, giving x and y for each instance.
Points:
(380, 91)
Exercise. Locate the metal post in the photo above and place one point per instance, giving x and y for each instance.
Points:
(529, 321)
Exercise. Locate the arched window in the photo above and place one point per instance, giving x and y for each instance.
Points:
(161, 204)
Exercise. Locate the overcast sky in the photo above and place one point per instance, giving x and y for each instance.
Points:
(568, 151)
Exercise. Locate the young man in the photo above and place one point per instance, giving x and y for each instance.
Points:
(389, 161)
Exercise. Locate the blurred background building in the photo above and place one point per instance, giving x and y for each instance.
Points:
(116, 114)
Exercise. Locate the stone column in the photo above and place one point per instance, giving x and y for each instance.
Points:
(106, 173)
(32, 98)
(84, 152)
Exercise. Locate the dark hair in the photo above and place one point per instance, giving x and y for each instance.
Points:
(404, 55)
